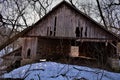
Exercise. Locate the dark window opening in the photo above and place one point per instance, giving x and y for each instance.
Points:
(55, 26)
(55, 21)
(77, 32)
(86, 32)
(28, 53)
(50, 33)
(81, 30)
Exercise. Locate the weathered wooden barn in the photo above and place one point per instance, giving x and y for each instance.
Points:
(66, 32)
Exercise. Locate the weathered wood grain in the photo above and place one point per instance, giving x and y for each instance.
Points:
(66, 22)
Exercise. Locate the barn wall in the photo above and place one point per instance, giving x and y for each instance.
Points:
(29, 43)
(118, 49)
(63, 22)
(48, 48)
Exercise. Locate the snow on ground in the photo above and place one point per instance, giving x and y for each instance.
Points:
(57, 71)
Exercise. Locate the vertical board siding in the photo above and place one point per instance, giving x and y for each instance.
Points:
(29, 43)
(66, 22)
(52, 47)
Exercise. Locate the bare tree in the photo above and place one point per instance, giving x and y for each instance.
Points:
(110, 13)
(105, 12)
(16, 15)
(89, 8)
(101, 14)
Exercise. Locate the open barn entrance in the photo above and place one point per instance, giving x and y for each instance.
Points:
(96, 52)
(75, 52)
(53, 49)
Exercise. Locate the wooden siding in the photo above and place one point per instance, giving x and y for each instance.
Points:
(29, 43)
(63, 22)
(47, 48)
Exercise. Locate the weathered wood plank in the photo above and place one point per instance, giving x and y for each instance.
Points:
(29, 45)
(66, 22)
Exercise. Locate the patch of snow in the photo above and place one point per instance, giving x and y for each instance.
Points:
(57, 71)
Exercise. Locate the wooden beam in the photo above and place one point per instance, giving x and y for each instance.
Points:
(74, 38)
(113, 45)
(93, 40)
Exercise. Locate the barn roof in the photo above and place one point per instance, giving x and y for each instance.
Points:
(22, 33)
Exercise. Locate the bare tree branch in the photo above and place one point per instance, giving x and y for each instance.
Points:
(101, 14)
